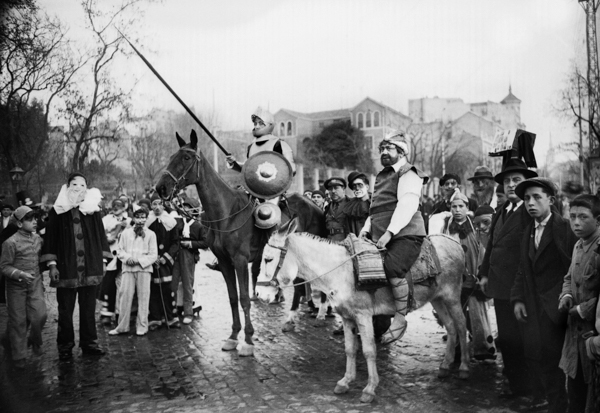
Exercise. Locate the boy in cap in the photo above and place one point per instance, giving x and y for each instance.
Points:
(264, 123)
(318, 197)
(579, 298)
(191, 241)
(19, 263)
(395, 222)
(137, 250)
(497, 275)
(546, 249)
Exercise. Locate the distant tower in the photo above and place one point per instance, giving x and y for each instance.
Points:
(513, 103)
(593, 74)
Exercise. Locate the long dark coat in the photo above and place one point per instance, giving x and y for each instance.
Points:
(60, 246)
(539, 280)
(501, 259)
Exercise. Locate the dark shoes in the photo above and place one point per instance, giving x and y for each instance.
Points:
(92, 351)
(65, 355)
(508, 394)
(106, 320)
(213, 266)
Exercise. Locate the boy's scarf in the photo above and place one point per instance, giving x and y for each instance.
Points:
(89, 204)
(186, 228)
(167, 220)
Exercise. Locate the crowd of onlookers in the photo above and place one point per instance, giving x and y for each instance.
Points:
(133, 254)
(530, 251)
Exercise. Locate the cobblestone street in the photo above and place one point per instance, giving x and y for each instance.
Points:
(184, 370)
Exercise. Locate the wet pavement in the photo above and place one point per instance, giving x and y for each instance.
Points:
(184, 370)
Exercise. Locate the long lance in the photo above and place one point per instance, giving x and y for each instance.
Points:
(210, 135)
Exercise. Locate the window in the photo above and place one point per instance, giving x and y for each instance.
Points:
(282, 129)
(368, 125)
(376, 122)
(369, 142)
(359, 121)
(289, 128)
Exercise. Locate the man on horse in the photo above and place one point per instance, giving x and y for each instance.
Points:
(395, 222)
(264, 123)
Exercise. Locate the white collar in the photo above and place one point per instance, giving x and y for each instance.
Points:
(510, 205)
(544, 222)
(401, 162)
(89, 205)
(167, 220)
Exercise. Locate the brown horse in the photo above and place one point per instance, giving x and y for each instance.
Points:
(328, 267)
(229, 220)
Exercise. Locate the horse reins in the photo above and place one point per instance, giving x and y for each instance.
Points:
(273, 281)
(184, 212)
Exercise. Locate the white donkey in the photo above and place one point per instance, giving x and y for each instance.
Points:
(328, 267)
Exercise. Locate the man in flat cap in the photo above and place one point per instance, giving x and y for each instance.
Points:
(546, 250)
(395, 222)
(483, 187)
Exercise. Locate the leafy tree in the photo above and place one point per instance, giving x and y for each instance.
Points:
(339, 145)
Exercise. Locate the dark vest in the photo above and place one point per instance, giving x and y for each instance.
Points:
(385, 199)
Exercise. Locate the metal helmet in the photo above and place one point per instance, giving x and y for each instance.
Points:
(267, 119)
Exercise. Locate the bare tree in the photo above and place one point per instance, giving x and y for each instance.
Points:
(37, 64)
(96, 97)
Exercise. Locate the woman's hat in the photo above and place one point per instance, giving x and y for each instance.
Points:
(514, 165)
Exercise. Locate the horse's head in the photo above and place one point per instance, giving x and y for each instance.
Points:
(278, 265)
(183, 168)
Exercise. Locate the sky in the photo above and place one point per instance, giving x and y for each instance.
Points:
(315, 55)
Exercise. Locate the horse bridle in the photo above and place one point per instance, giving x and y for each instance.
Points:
(182, 177)
(273, 281)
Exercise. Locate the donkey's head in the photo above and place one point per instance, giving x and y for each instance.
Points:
(279, 265)
(183, 168)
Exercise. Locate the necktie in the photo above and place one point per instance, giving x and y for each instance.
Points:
(538, 235)
(512, 209)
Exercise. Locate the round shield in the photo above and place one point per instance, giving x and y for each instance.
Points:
(267, 174)
(267, 215)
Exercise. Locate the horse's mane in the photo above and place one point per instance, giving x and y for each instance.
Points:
(320, 239)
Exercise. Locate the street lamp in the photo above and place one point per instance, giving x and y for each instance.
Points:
(16, 175)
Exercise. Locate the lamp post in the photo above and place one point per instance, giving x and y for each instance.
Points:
(16, 175)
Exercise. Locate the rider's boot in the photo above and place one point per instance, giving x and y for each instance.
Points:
(398, 326)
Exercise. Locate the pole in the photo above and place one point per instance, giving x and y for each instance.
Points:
(177, 97)
(581, 159)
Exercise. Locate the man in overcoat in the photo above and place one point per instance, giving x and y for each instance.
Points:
(546, 250)
(497, 275)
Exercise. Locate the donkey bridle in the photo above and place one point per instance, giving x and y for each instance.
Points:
(273, 281)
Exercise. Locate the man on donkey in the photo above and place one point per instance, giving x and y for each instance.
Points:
(395, 222)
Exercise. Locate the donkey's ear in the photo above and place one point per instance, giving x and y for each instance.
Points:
(193, 139)
(180, 140)
(292, 226)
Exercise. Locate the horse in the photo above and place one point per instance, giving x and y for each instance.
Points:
(231, 233)
(328, 267)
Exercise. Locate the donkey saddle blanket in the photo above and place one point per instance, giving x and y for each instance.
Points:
(368, 263)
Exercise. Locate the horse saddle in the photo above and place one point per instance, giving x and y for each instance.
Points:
(368, 263)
